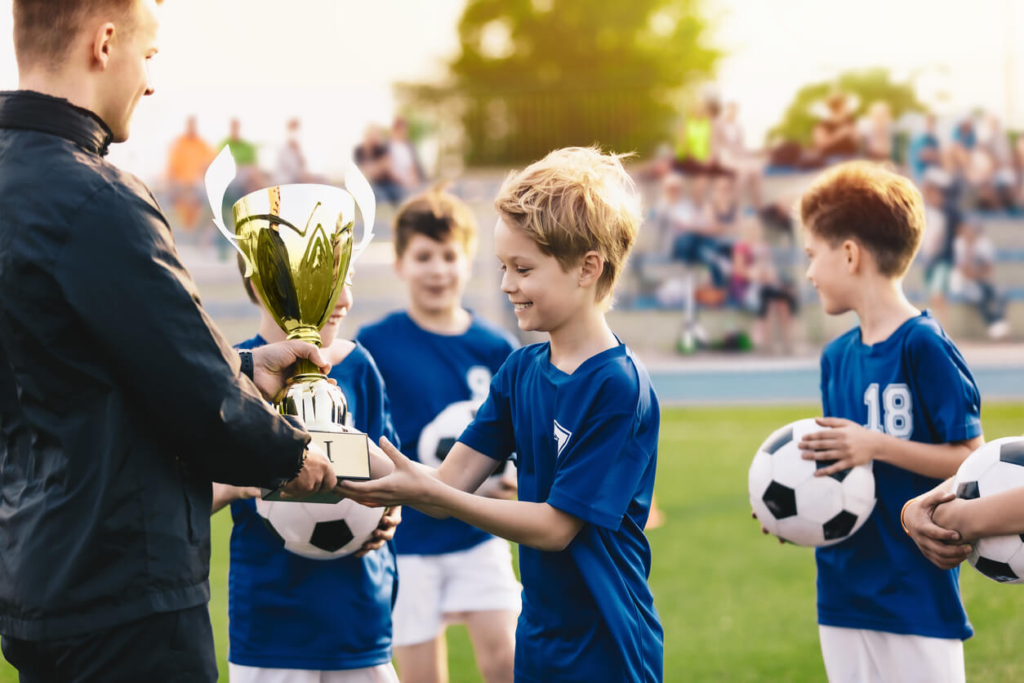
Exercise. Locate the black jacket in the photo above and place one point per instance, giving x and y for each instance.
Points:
(119, 399)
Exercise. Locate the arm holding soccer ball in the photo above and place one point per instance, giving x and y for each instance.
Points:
(1000, 514)
(850, 445)
(942, 545)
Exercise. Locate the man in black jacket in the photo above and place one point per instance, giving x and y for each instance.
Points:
(120, 401)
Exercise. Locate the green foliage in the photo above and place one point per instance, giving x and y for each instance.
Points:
(534, 75)
(869, 85)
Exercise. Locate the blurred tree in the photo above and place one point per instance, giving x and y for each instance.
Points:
(869, 85)
(533, 75)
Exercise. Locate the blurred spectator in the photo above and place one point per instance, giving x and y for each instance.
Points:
(755, 286)
(186, 165)
(962, 147)
(374, 160)
(925, 150)
(693, 148)
(973, 277)
(723, 211)
(405, 162)
(694, 238)
(729, 147)
(936, 251)
(835, 135)
(998, 178)
(243, 151)
(291, 163)
(248, 177)
(877, 132)
(1018, 166)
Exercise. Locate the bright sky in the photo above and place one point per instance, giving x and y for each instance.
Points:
(332, 62)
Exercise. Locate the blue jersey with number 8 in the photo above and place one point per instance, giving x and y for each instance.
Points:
(914, 385)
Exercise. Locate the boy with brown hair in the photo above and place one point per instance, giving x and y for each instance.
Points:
(582, 416)
(896, 391)
(437, 360)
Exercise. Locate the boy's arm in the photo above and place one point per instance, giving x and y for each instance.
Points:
(941, 545)
(537, 525)
(225, 494)
(465, 468)
(850, 444)
(1001, 514)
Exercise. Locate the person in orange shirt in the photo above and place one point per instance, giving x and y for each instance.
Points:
(186, 165)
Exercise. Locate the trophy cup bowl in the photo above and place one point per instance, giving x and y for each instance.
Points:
(298, 240)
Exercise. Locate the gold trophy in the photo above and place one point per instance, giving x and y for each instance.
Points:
(297, 243)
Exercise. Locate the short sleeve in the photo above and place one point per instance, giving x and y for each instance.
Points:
(598, 472)
(944, 387)
(491, 431)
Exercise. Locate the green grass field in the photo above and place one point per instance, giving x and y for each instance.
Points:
(736, 606)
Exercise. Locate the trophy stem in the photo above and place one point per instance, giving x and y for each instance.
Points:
(306, 367)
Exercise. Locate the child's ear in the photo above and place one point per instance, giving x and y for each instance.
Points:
(592, 267)
(852, 254)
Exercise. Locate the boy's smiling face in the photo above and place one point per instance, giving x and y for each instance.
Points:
(436, 273)
(544, 295)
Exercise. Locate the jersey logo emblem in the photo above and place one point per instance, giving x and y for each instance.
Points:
(562, 436)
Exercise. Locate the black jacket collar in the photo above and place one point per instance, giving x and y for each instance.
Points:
(30, 110)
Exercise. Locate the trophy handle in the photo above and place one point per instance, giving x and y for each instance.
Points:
(359, 188)
(218, 176)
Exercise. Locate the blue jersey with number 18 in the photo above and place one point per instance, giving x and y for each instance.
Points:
(914, 385)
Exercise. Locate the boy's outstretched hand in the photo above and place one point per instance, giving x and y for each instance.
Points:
(406, 484)
(846, 442)
(941, 546)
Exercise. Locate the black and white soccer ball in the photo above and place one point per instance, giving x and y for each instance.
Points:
(798, 507)
(320, 531)
(995, 467)
(440, 434)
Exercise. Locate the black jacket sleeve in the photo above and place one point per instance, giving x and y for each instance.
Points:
(121, 274)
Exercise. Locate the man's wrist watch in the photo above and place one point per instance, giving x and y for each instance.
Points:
(248, 367)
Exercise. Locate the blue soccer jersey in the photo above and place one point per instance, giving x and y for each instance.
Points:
(436, 383)
(587, 444)
(290, 612)
(914, 385)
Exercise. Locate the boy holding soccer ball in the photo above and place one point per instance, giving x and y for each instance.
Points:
(582, 417)
(294, 619)
(896, 391)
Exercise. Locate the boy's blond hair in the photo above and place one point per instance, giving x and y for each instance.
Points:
(438, 215)
(863, 201)
(573, 201)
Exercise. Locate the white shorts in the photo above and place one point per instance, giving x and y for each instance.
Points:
(430, 586)
(384, 673)
(860, 656)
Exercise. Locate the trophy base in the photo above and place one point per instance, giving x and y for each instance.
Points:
(349, 453)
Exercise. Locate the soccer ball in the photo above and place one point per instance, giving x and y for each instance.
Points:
(798, 507)
(441, 433)
(319, 531)
(994, 468)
